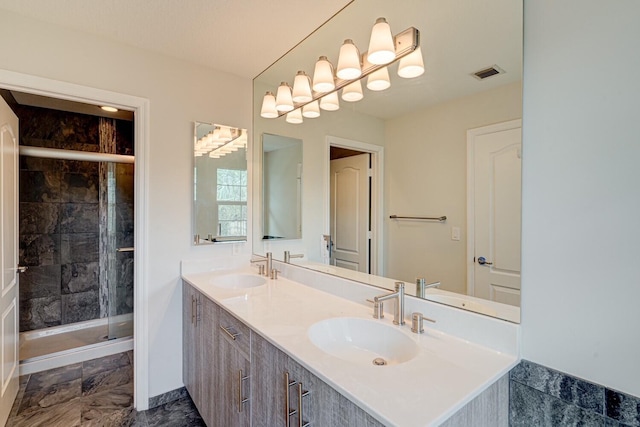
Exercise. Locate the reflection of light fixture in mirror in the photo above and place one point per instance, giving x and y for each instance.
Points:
(302, 88)
(109, 109)
(330, 102)
(294, 117)
(382, 48)
(352, 92)
(284, 102)
(225, 134)
(268, 110)
(323, 76)
(349, 61)
(311, 110)
(379, 80)
(411, 65)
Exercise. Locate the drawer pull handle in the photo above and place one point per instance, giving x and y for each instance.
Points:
(301, 394)
(232, 335)
(241, 400)
(288, 411)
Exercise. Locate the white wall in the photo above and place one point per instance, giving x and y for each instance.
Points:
(426, 174)
(282, 191)
(179, 93)
(581, 197)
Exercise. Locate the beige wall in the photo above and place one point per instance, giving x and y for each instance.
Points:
(426, 175)
(179, 93)
(281, 191)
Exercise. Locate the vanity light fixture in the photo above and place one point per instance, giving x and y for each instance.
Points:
(302, 88)
(352, 92)
(284, 101)
(384, 49)
(220, 141)
(349, 66)
(268, 110)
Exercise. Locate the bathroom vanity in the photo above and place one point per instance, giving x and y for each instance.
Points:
(263, 352)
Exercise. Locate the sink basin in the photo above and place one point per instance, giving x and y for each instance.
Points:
(362, 341)
(238, 281)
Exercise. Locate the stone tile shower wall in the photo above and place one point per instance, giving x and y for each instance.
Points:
(59, 221)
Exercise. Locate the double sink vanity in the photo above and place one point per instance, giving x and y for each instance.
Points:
(305, 349)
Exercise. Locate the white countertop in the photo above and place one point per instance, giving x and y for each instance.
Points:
(446, 374)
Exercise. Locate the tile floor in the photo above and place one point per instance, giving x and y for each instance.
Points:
(97, 392)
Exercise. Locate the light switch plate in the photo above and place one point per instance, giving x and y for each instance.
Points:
(455, 233)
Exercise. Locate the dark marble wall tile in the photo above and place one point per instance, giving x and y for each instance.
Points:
(80, 307)
(39, 313)
(38, 218)
(79, 218)
(58, 129)
(39, 249)
(38, 186)
(79, 247)
(80, 166)
(582, 393)
(530, 407)
(79, 277)
(124, 137)
(623, 407)
(124, 285)
(40, 281)
(79, 188)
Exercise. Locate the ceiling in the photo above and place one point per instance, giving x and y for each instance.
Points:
(242, 37)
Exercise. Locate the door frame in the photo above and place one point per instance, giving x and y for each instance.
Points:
(140, 106)
(472, 134)
(377, 183)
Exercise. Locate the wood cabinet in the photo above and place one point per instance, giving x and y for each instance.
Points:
(192, 343)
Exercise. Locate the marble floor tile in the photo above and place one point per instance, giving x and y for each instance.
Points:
(51, 377)
(111, 407)
(106, 380)
(66, 414)
(107, 363)
(52, 395)
(180, 413)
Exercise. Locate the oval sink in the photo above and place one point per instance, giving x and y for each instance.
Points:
(362, 341)
(238, 281)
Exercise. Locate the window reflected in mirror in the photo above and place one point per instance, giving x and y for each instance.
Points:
(219, 184)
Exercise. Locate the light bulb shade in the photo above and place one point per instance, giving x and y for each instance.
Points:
(330, 102)
(379, 80)
(311, 110)
(323, 76)
(349, 67)
(382, 48)
(294, 117)
(352, 92)
(411, 65)
(302, 88)
(268, 110)
(225, 134)
(284, 102)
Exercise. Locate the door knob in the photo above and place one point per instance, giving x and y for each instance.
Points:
(483, 261)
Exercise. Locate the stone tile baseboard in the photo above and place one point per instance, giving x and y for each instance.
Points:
(545, 397)
(167, 397)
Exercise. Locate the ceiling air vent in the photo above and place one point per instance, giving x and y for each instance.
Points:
(488, 72)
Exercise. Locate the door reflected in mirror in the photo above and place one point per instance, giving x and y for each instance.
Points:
(219, 184)
(282, 187)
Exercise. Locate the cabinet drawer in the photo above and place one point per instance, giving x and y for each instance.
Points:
(236, 332)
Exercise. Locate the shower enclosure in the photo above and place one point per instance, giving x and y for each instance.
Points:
(76, 224)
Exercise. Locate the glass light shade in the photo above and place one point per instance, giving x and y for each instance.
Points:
(330, 102)
(349, 61)
(284, 102)
(382, 48)
(411, 65)
(302, 88)
(311, 110)
(214, 155)
(198, 154)
(294, 117)
(323, 76)
(352, 92)
(268, 110)
(225, 134)
(215, 135)
(379, 80)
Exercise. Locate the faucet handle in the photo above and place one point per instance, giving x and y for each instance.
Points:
(417, 325)
(378, 309)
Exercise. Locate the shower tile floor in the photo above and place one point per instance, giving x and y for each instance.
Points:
(97, 392)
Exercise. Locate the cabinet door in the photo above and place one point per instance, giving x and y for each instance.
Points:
(267, 384)
(234, 387)
(207, 361)
(190, 340)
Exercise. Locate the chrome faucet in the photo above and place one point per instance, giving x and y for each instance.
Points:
(288, 256)
(268, 263)
(398, 307)
(421, 285)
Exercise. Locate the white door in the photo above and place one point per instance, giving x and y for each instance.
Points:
(495, 195)
(8, 259)
(349, 217)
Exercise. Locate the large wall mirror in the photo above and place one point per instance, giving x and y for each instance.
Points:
(219, 184)
(421, 179)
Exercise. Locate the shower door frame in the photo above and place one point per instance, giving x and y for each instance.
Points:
(140, 106)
